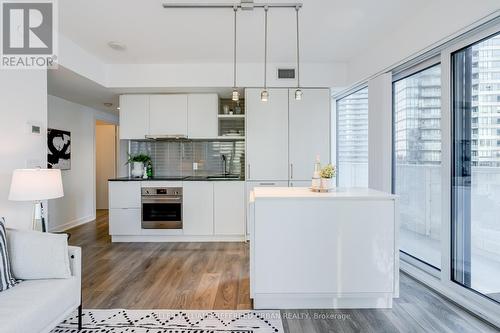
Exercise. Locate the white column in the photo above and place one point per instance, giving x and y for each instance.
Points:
(380, 132)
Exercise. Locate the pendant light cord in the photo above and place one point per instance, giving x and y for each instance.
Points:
(234, 59)
(266, 9)
(298, 53)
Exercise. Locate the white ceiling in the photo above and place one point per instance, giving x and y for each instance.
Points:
(331, 30)
(66, 84)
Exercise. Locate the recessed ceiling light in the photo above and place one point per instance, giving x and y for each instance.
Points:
(108, 105)
(118, 108)
(117, 46)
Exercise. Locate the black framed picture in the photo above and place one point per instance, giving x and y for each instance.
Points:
(59, 149)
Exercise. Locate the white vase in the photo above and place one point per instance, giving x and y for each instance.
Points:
(137, 169)
(326, 183)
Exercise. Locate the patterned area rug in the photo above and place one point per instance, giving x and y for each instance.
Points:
(174, 321)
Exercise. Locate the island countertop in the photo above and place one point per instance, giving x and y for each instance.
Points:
(351, 193)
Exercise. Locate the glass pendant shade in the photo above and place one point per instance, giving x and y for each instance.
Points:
(264, 96)
(236, 95)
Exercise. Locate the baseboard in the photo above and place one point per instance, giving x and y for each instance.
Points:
(73, 223)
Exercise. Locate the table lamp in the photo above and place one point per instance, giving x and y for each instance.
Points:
(36, 185)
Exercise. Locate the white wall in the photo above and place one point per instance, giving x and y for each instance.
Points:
(380, 133)
(23, 100)
(221, 75)
(422, 30)
(105, 145)
(78, 204)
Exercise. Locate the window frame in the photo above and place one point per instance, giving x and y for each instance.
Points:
(338, 98)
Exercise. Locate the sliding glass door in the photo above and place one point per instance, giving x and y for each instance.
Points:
(475, 240)
(417, 163)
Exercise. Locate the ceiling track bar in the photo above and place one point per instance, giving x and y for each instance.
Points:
(229, 5)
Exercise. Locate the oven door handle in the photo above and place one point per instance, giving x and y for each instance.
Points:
(160, 200)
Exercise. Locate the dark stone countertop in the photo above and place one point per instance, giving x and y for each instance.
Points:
(186, 178)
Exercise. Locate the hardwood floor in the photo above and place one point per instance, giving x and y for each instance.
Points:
(160, 275)
(215, 276)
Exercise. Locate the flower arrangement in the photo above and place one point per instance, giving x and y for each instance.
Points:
(328, 172)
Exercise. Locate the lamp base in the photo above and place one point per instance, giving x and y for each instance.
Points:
(38, 222)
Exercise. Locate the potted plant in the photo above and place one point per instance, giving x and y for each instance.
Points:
(327, 174)
(138, 162)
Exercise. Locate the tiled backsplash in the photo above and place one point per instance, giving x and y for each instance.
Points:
(176, 158)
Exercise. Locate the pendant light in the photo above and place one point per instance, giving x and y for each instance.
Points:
(264, 95)
(298, 92)
(236, 94)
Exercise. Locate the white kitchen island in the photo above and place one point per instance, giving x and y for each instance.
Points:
(323, 250)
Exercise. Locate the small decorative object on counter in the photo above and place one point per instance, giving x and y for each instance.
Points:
(149, 170)
(138, 161)
(327, 174)
(316, 179)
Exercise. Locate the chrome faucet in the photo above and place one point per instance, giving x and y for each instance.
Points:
(224, 164)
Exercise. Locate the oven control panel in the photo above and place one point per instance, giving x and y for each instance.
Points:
(154, 191)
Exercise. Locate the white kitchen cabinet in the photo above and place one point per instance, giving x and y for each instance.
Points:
(202, 115)
(124, 221)
(125, 194)
(198, 208)
(309, 131)
(249, 186)
(168, 114)
(134, 112)
(267, 135)
(300, 183)
(229, 208)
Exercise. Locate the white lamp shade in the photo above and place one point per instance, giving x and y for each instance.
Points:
(36, 184)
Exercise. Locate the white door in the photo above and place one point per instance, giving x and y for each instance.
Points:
(229, 208)
(202, 115)
(105, 161)
(267, 135)
(168, 115)
(198, 208)
(133, 116)
(309, 121)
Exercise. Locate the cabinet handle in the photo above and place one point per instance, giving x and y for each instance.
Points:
(291, 170)
(267, 184)
(249, 171)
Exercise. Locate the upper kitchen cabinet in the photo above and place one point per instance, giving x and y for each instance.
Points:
(267, 135)
(168, 115)
(309, 131)
(202, 115)
(134, 110)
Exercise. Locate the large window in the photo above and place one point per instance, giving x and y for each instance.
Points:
(417, 163)
(476, 167)
(352, 139)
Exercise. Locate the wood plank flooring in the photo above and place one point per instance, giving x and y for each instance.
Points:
(203, 276)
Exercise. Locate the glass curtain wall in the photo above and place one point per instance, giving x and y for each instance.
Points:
(476, 167)
(417, 163)
(352, 139)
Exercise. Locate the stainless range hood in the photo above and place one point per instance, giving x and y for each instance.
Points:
(166, 137)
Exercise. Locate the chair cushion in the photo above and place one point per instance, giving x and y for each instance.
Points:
(33, 305)
(38, 255)
(6, 279)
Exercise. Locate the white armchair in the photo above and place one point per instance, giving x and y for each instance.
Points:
(39, 305)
